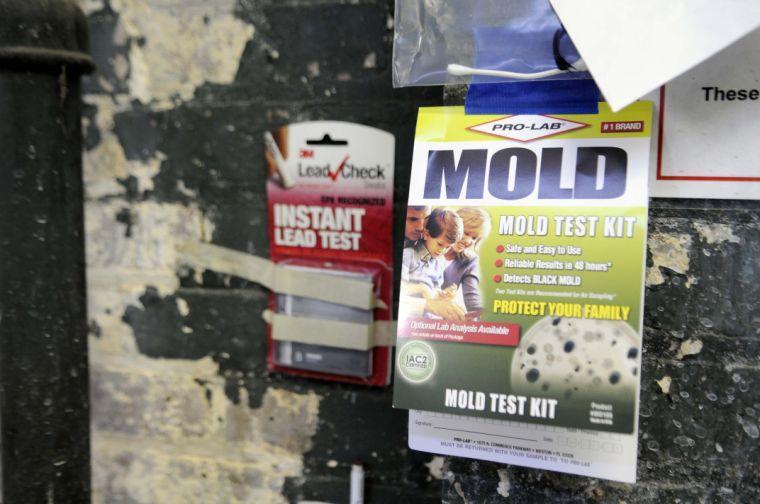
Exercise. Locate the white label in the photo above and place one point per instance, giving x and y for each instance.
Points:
(525, 128)
(605, 455)
(708, 128)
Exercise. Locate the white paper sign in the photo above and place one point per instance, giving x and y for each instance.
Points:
(706, 139)
(632, 47)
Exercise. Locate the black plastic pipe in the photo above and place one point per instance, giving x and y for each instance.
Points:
(44, 398)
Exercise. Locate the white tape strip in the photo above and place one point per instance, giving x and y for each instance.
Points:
(331, 333)
(335, 289)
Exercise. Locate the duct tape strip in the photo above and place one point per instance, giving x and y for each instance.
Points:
(331, 333)
(334, 289)
(579, 96)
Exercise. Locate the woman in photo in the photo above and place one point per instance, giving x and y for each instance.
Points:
(463, 269)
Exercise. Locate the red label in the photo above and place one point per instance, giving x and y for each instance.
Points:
(329, 226)
(481, 333)
(623, 127)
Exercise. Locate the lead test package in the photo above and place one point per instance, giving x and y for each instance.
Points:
(330, 203)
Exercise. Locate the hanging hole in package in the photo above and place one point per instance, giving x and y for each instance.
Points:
(330, 202)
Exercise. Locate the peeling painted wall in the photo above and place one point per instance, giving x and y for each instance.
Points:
(183, 409)
(174, 47)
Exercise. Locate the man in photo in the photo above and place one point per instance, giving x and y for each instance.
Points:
(415, 223)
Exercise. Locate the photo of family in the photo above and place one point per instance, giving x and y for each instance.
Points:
(440, 272)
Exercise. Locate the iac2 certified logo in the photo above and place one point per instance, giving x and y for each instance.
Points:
(416, 361)
(526, 128)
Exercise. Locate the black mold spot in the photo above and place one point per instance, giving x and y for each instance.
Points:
(556, 321)
(614, 377)
(531, 350)
(569, 346)
(532, 375)
(633, 353)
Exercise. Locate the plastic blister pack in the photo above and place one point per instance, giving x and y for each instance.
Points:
(330, 200)
(324, 358)
(461, 41)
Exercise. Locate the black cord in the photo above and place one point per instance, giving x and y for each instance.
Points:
(561, 62)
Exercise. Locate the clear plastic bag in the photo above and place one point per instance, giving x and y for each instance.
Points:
(523, 37)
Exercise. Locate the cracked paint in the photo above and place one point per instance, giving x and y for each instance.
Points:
(151, 246)
(689, 347)
(182, 307)
(716, 233)
(157, 435)
(107, 164)
(199, 449)
(664, 384)
(90, 6)
(668, 251)
(370, 61)
(176, 47)
(504, 484)
(119, 266)
(435, 467)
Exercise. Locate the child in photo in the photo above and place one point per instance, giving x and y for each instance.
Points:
(423, 264)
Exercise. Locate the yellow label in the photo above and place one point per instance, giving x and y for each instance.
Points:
(451, 124)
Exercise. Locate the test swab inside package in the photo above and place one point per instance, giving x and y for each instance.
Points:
(330, 201)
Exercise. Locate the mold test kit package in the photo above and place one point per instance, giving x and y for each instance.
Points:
(330, 202)
(538, 224)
